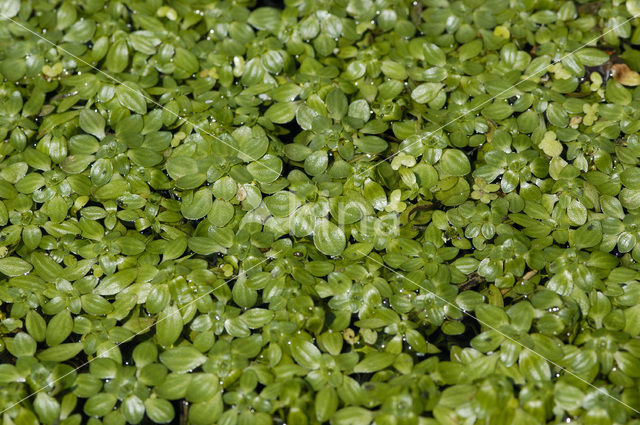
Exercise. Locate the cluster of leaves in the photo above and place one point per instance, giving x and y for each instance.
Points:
(343, 211)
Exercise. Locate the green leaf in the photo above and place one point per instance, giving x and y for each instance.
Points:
(426, 92)
(35, 325)
(60, 353)
(470, 50)
(533, 366)
(316, 163)
(547, 347)
(115, 283)
(266, 170)
(577, 213)
(550, 145)
(457, 395)
(174, 249)
(59, 328)
(186, 63)
(10, 8)
(434, 54)
(628, 364)
(360, 110)
(197, 205)
(47, 408)
(168, 326)
(630, 177)
(100, 404)
(455, 163)
(15, 172)
(133, 409)
(587, 236)
(281, 113)
(616, 93)
(159, 410)
(492, 316)
(557, 115)
(328, 238)
(265, 18)
(23, 345)
(374, 193)
(337, 103)
(611, 206)
(374, 362)
(528, 121)
(253, 144)
(498, 110)
(590, 56)
(326, 403)
(352, 416)
(46, 266)
(144, 42)
(205, 412)
(394, 71)
(568, 396)
(131, 98)
(257, 317)
(203, 386)
(118, 57)
(145, 353)
(75, 164)
(371, 144)
(14, 266)
(182, 359)
(92, 122)
(9, 373)
(632, 320)
(305, 353)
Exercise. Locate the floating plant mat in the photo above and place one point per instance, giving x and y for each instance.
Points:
(308, 212)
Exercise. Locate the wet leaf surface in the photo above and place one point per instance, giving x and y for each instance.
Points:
(305, 212)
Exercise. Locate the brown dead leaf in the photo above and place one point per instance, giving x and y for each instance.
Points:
(575, 122)
(624, 75)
